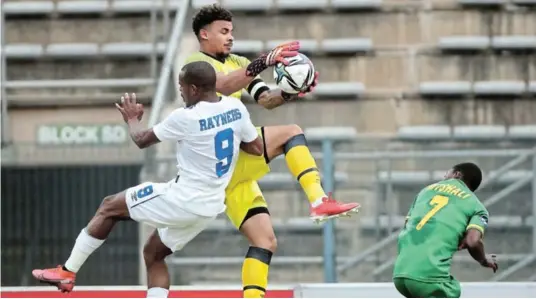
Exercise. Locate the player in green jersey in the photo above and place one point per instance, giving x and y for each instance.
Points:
(444, 218)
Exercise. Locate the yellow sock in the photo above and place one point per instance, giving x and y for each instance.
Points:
(255, 272)
(303, 167)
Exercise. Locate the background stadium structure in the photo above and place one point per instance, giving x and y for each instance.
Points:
(408, 88)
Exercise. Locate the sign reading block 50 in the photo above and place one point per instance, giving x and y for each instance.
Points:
(104, 134)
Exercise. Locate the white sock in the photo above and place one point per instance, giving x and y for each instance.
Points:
(83, 248)
(317, 202)
(157, 293)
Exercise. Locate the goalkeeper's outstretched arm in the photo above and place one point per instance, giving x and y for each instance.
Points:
(230, 83)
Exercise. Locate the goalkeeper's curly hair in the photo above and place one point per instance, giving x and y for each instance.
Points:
(208, 14)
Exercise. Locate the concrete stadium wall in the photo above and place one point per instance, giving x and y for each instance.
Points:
(72, 135)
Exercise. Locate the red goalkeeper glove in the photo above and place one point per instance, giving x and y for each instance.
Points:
(277, 54)
(311, 87)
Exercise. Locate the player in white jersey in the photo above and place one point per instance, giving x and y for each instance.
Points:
(209, 132)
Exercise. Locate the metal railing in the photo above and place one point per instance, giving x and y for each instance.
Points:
(499, 163)
(164, 84)
(33, 196)
(165, 8)
(519, 157)
(31, 244)
(163, 89)
(62, 83)
(3, 79)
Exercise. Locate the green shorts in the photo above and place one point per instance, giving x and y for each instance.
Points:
(411, 288)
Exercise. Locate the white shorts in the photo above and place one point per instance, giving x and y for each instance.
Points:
(149, 203)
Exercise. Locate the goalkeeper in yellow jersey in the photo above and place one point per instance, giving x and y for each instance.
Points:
(246, 206)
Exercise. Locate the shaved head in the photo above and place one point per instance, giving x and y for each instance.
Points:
(197, 80)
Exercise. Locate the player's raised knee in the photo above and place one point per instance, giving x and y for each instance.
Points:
(294, 130)
(272, 241)
(268, 243)
(149, 255)
(106, 205)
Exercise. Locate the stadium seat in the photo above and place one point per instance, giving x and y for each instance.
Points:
(444, 88)
(241, 5)
(72, 50)
(300, 225)
(346, 45)
(522, 132)
(524, 2)
(196, 4)
(137, 6)
(420, 177)
(493, 88)
(248, 47)
(336, 134)
(86, 6)
(304, 224)
(131, 49)
(339, 89)
(129, 82)
(356, 4)
(24, 51)
(405, 177)
(335, 89)
(464, 43)
(424, 133)
(28, 7)
(532, 87)
(482, 2)
(306, 45)
(350, 45)
(500, 222)
(302, 4)
(81, 49)
(512, 176)
(227, 261)
(479, 133)
(297, 224)
(514, 42)
(285, 181)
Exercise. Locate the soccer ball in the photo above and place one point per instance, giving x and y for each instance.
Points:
(295, 77)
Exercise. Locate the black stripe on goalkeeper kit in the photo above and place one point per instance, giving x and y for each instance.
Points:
(253, 83)
(255, 288)
(254, 211)
(265, 151)
(295, 141)
(260, 254)
(259, 91)
(307, 171)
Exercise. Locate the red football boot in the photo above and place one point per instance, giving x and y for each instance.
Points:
(63, 280)
(330, 208)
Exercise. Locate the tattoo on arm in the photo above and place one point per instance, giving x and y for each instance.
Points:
(271, 99)
(142, 137)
